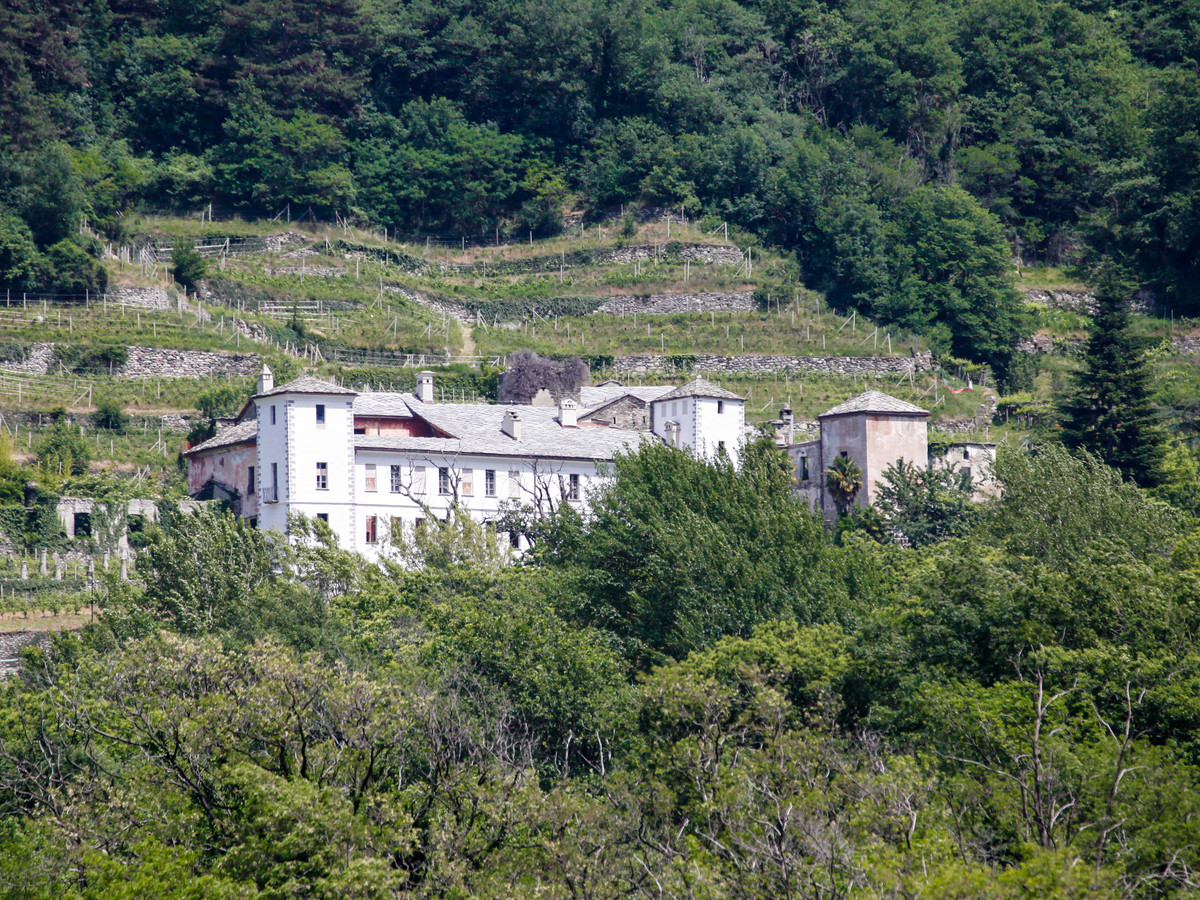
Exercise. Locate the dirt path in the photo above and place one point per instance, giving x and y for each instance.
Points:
(468, 348)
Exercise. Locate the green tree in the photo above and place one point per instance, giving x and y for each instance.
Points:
(1109, 413)
(63, 450)
(679, 552)
(952, 267)
(926, 505)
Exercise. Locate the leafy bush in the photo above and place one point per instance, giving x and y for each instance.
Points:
(110, 415)
(188, 266)
(63, 450)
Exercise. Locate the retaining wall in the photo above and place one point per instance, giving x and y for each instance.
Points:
(762, 365)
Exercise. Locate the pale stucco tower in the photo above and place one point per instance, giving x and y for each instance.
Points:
(875, 430)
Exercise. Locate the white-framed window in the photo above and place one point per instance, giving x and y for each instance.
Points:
(489, 483)
(573, 486)
(444, 481)
(397, 484)
(320, 415)
(322, 476)
(371, 482)
(467, 483)
(372, 534)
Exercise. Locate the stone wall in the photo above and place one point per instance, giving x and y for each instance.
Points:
(1075, 301)
(152, 362)
(142, 298)
(763, 365)
(37, 362)
(664, 304)
(156, 362)
(627, 412)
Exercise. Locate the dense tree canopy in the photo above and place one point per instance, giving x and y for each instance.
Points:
(904, 152)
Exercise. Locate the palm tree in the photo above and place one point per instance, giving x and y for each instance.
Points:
(843, 480)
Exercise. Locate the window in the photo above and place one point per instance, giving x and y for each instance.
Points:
(249, 480)
(489, 483)
(272, 413)
(322, 476)
(844, 454)
(397, 531)
(966, 452)
(371, 536)
(396, 484)
(720, 407)
(720, 446)
(253, 520)
(324, 517)
(443, 481)
(82, 526)
(573, 487)
(803, 462)
(418, 485)
(467, 485)
(274, 498)
(967, 472)
(372, 483)
(320, 415)
(514, 484)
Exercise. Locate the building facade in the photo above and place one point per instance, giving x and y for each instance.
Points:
(875, 431)
(377, 465)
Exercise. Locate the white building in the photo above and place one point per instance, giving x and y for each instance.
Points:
(373, 464)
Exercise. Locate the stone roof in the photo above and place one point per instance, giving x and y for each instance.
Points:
(700, 387)
(384, 403)
(474, 430)
(240, 433)
(306, 384)
(875, 402)
(595, 396)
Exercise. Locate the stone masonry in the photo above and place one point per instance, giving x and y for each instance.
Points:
(762, 365)
(663, 304)
(152, 362)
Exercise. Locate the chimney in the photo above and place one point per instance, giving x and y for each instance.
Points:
(673, 435)
(425, 387)
(568, 413)
(789, 426)
(266, 380)
(511, 425)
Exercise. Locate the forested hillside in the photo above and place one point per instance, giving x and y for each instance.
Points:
(904, 151)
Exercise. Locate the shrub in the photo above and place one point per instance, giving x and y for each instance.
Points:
(110, 415)
(188, 266)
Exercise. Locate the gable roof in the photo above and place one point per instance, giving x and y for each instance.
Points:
(241, 433)
(700, 387)
(875, 402)
(307, 384)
